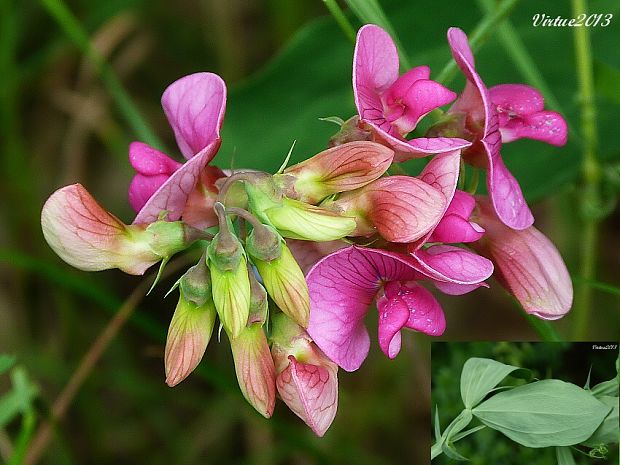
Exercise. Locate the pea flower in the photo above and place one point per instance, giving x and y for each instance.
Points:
(307, 380)
(344, 284)
(389, 105)
(528, 265)
(486, 117)
(195, 107)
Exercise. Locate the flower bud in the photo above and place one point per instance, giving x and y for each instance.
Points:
(527, 264)
(307, 380)
(254, 368)
(88, 237)
(299, 220)
(195, 284)
(350, 131)
(286, 285)
(400, 208)
(188, 336)
(264, 243)
(338, 169)
(231, 284)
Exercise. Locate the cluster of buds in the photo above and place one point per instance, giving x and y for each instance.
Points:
(306, 251)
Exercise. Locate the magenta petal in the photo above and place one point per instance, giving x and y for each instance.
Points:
(393, 315)
(172, 195)
(404, 82)
(342, 286)
(454, 265)
(507, 198)
(195, 106)
(149, 161)
(462, 204)
(546, 126)
(375, 68)
(142, 188)
(425, 313)
(454, 228)
(517, 99)
(413, 103)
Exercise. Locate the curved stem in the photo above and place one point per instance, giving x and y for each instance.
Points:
(591, 172)
(341, 19)
(86, 366)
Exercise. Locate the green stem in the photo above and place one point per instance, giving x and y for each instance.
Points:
(341, 19)
(435, 450)
(479, 35)
(609, 288)
(591, 172)
(545, 330)
(76, 33)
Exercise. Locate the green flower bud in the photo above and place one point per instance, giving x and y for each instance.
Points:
(264, 243)
(299, 220)
(195, 284)
(188, 336)
(286, 285)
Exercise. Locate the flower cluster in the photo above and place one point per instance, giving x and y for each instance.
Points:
(310, 248)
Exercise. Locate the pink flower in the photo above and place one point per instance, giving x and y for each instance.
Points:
(194, 106)
(483, 123)
(344, 284)
(307, 380)
(506, 112)
(521, 114)
(455, 225)
(391, 106)
(528, 264)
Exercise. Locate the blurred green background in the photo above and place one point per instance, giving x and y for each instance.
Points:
(287, 64)
(570, 362)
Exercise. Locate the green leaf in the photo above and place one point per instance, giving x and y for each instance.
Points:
(564, 456)
(607, 432)
(18, 399)
(606, 388)
(544, 414)
(437, 426)
(606, 80)
(451, 452)
(479, 377)
(6, 362)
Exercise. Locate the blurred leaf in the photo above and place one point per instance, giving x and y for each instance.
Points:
(479, 377)
(564, 456)
(544, 414)
(6, 362)
(606, 388)
(311, 78)
(18, 399)
(607, 433)
(606, 79)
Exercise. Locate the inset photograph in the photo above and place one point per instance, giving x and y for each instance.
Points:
(535, 403)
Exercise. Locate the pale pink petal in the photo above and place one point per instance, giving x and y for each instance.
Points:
(375, 68)
(399, 208)
(149, 161)
(342, 286)
(88, 237)
(171, 196)
(195, 107)
(528, 265)
(506, 195)
(441, 173)
(422, 146)
(404, 110)
(311, 392)
(546, 126)
(142, 188)
(454, 265)
(516, 99)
